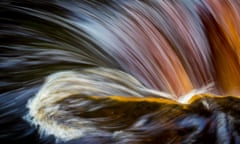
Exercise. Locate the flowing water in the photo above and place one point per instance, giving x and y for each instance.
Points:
(125, 72)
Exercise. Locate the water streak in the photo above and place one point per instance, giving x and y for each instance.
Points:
(120, 71)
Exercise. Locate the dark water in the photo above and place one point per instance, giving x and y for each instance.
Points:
(120, 72)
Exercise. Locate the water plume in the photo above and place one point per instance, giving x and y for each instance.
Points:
(120, 71)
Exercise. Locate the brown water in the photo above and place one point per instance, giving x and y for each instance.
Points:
(120, 71)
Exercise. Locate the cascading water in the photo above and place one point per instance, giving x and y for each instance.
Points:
(124, 72)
